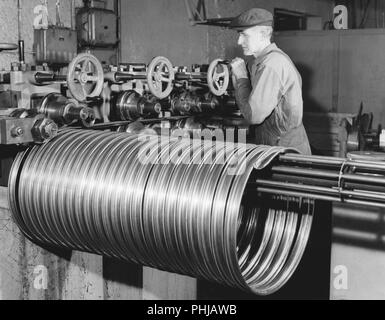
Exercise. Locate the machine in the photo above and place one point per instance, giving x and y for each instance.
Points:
(106, 164)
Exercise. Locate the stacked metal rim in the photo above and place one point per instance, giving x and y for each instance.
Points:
(174, 204)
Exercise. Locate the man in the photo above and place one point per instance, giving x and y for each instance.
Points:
(271, 98)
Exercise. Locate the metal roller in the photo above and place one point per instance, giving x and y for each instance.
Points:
(65, 111)
(130, 105)
(178, 205)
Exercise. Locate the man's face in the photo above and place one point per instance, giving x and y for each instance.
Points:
(251, 41)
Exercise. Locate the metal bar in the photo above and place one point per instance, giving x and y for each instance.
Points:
(305, 172)
(321, 191)
(325, 183)
(319, 197)
(21, 51)
(362, 187)
(364, 178)
(377, 196)
(376, 165)
(295, 186)
(121, 76)
(304, 180)
(297, 194)
(49, 77)
(185, 76)
(298, 158)
(103, 126)
(365, 203)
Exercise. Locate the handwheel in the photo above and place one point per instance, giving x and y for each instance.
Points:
(85, 77)
(8, 46)
(160, 77)
(218, 77)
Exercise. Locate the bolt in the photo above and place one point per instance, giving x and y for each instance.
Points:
(50, 130)
(17, 132)
(158, 107)
(83, 115)
(87, 114)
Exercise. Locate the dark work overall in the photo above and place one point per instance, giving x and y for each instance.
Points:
(277, 131)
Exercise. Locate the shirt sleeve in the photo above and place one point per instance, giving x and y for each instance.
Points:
(257, 103)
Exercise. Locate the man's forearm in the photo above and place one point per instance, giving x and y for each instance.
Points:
(242, 97)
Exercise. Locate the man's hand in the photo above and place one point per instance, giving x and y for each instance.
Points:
(238, 68)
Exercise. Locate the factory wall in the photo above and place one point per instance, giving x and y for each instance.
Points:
(365, 14)
(151, 28)
(352, 69)
(10, 25)
(161, 28)
(223, 43)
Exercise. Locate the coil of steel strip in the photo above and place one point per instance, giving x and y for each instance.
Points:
(207, 178)
(204, 186)
(186, 202)
(285, 246)
(13, 195)
(180, 157)
(154, 200)
(293, 260)
(152, 196)
(123, 224)
(131, 215)
(177, 196)
(174, 204)
(259, 160)
(248, 221)
(143, 171)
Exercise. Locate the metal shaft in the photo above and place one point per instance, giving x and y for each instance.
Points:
(41, 77)
(317, 177)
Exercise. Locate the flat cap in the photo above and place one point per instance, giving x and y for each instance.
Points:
(252, 17)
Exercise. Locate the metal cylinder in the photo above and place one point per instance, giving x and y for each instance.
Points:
(186, 103)
(66, 111)
(41, 77)
(130, 105)
(126, 107)
(149, 107)
(117, 77)
(178, 205)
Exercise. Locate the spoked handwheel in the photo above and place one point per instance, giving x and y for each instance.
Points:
(85, 77)
(218, 77)
(160, 77)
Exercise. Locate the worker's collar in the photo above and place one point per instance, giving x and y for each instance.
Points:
(271, 47)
